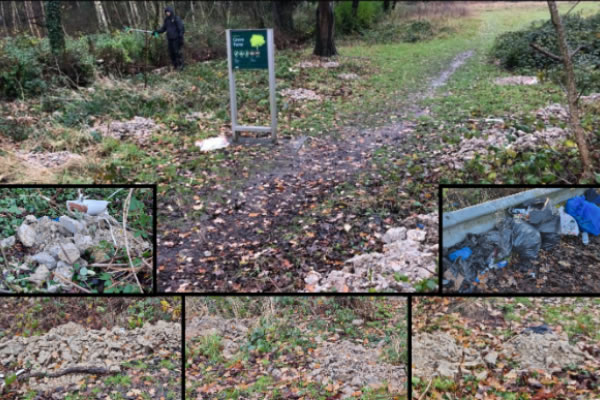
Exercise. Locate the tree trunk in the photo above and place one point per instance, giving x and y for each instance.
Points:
(571, 90)
(56, 33)
(325, 45)
(393, 4)
(386, 5)
(354, 8)
(3, 15)
(193, 12)
(283, 15)
(15, 17)
(31, 20)
(135, 14)
(102, 23)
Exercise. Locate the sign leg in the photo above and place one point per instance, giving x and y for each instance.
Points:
(273, 99)
(232, 95)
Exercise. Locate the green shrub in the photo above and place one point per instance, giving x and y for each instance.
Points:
(20, 70)
(417, 31)
(366, 16)
(411, 32)
(513, 50)
(120, 52)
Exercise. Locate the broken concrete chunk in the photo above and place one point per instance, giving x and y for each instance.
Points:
(491, 358)
(44, 258)
(83, 242)
(71, 225)
(8, 242)
(66, 271)
(40, 275)
(26, 235)
(69, 253)
(417, 235)
(394, 234)
(30, 219)
(312, 278)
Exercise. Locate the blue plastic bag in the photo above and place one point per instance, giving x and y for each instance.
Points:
(465, 253)
(585, 213)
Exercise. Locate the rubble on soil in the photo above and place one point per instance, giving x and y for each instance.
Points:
(548, 352)
(348, 77)
(196, 115)
(516, 80)
(49, 160)
(468, 149)
(300, 94)
(139, 128)
(438, 354)
(553, 111)
(408, 252)
(355, 367)
(318, 64)
(232, 331)
(57, 245)
(591, 99)
(72, 345)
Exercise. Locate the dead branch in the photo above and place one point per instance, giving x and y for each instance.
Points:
(70, 282)
(545, 52)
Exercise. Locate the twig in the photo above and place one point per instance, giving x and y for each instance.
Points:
(426, 390)
(4, 257)
(108, 265)
(66, 255)
(66, 280)
(571, 9)
(546, 52)
(125, 212)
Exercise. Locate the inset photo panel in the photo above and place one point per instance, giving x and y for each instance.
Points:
(77, 239)
(512, 239)
(82, 348)
(292, 347)
(505, 348)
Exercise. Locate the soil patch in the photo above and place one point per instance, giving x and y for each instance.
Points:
(354, 366)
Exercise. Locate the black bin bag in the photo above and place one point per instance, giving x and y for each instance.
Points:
(526, 240)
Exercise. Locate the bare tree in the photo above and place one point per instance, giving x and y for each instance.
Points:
(325, 45)
(355, 8)
(102, 22)
(282, 15)
(566, 57)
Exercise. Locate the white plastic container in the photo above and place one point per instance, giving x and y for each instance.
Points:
(89, 207)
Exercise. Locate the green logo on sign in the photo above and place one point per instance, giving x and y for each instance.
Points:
(257, 40)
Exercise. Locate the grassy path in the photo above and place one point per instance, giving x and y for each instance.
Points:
(310, 204)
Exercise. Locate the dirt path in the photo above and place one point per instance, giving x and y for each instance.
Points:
(272, 228)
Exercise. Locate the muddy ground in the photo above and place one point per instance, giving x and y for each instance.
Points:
(268, 229)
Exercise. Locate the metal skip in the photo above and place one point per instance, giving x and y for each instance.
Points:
(248, 49)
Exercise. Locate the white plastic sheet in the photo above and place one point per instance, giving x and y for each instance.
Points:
(568, 225)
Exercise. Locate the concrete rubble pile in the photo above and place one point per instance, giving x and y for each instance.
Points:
(138, 128)
(72, 345)
(355, 367)
(410, 253)
(56, 246)
(439, 354)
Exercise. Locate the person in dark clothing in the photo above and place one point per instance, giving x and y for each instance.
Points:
(173, 25)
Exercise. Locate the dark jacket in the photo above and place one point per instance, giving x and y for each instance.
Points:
(173, 25)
